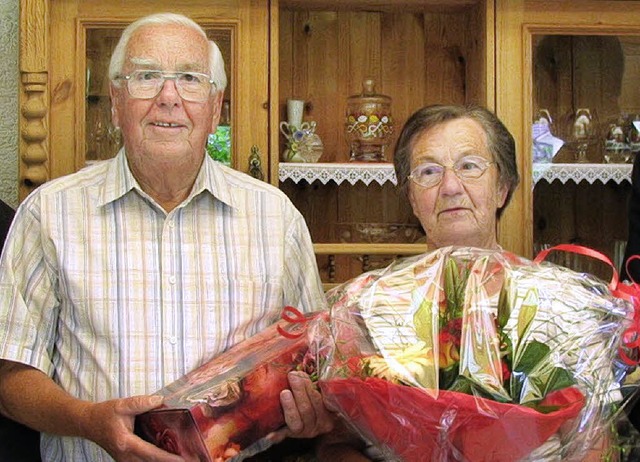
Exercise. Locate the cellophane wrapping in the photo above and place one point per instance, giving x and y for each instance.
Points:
(474, 355)
(225, 410)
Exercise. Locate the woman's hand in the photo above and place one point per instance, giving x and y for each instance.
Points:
(304, 410)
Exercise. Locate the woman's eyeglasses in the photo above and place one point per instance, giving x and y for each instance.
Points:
(430, 174)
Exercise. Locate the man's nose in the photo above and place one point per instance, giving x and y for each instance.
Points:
(169, 93)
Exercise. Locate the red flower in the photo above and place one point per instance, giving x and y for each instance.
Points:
(449, 354)
(506, 371)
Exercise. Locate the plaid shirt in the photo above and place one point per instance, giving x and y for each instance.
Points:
(105, 291)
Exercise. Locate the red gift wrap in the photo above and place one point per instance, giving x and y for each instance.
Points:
(417, 427)
(224, 409)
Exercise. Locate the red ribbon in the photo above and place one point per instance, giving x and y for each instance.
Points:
(292, 316)
(630, 293)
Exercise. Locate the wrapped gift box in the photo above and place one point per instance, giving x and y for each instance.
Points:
(223, 410)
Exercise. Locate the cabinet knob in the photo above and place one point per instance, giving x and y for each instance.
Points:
(255, 163)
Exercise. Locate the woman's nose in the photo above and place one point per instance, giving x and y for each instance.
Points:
(450, 183)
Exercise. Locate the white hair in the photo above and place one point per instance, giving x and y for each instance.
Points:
(216, 61)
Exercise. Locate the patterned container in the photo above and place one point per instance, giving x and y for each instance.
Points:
(368, 124)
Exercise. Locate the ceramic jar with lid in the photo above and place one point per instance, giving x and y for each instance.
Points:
(368, 124)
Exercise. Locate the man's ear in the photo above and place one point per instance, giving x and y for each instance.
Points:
(115, 119)
(217, 109)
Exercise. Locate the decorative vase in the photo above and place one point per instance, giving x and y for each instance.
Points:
(368, 124)
(302, 142)
(581, 133)
(295, 110)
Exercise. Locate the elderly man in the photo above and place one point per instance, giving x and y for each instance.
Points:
(119, 279)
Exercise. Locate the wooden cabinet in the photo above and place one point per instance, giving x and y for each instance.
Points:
(418, 52)
(65, 46)
(565, 56)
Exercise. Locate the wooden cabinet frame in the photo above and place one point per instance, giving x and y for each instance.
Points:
(33, 95)
(46, 151)
(516, 23)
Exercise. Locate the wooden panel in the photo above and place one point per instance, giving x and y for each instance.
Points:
(592, 215)
(381, 5)
(415, 56)
(64, 85)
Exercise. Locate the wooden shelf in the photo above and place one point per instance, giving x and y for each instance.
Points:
(380, 5)
(369, 249)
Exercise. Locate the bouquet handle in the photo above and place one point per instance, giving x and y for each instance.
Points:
(629, 292)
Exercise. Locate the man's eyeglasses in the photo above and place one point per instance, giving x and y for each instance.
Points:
(467, 168)
(146, 84)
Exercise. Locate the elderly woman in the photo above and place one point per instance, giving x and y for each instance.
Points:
(457, 166)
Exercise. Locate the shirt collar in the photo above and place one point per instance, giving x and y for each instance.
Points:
(119, 181)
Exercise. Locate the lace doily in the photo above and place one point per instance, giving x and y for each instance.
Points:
(383, 172)
(579, 172)
(326, 172)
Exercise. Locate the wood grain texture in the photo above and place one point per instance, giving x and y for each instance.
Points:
(561, 55)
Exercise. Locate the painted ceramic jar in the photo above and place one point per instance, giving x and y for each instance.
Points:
(369, 124)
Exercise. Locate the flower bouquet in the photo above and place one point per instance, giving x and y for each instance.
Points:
(473, 355)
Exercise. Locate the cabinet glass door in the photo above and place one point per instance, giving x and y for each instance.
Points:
(102, 140)
(585, 134)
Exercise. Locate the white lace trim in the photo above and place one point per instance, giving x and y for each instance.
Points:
(326, 172)
(383, 172)
(582, 172)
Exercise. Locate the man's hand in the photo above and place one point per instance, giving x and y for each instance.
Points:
(110, 424)
(304, 411)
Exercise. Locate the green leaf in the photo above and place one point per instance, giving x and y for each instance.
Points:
(451, 282)
(532, 355)
(543, 409)
(461, 385)
(558, 379)
(527, 313)
(504, 307)
(447, 377)
(422, 321)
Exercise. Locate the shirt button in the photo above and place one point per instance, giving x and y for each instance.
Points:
(172, 279)
(173, 340)
(171, 224)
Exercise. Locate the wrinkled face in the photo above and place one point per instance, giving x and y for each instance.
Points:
(166, 130)
(455, 211)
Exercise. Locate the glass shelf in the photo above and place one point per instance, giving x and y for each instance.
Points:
(383, 172)
(590, 173)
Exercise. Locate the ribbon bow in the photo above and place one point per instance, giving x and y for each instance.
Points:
(296, 320)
